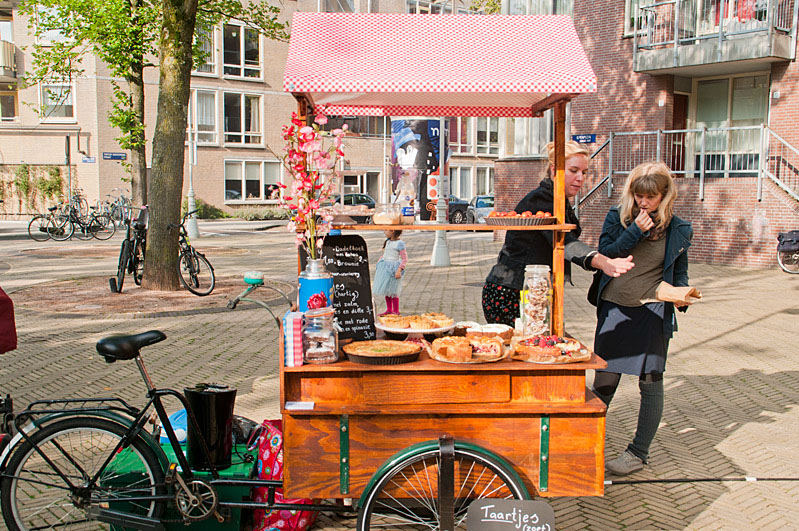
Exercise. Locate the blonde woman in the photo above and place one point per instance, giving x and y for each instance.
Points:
(502, 286)
(633, 327)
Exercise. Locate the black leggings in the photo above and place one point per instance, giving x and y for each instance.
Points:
(606, 383)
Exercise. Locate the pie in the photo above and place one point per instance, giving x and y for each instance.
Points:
(462, 327)
(502, 331)
(381, 348)
(417, 322)
(394, 321)
(441, 320)
(460, 349)
(549, 349)
(422, 342)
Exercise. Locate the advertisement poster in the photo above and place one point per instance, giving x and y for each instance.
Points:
(416, 152)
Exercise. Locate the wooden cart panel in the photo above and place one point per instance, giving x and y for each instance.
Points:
(312, 449)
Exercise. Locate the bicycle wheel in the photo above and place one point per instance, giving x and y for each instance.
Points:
(37, 228)
(35, 496)
(138, 262)
(196, 273)
(406, 495)
(60, 229)
(122, 267)
(789, 261)
(102, 227)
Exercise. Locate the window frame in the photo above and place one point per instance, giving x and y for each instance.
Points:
(469, 147)
(241, 65)
(15, 117)
(489, 179)
(488, 145)
(48, 41)
(243, 133)
(262, 200)
(193, 110)
(213, 59)
(58, 119)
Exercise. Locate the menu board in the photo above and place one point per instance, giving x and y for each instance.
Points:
(347, 259)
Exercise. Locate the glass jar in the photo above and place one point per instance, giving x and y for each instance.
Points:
(388, 214)
(536, 300)
(319, 336)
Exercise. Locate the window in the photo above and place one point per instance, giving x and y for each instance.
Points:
(339, 6)
(205, 38)
(242, 52)
(460, 182)
(488, 135)
(485, 180)
(422, 6)
(242, 118)
(203, 116)
(541, 7)
(630, 9)
(47, 19)
(358, 125)
(529, 136)
(459, 139)
(8, 106)
(6, 29)
(57, 102)
(252, 180)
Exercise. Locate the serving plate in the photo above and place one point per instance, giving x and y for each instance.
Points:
(504, 355)
(384, 328)
(521, 221)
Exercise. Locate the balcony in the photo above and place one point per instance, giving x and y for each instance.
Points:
(711, 37)
(8, 61)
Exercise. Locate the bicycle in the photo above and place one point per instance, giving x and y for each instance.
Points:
(788, 251)
(38, 227)
(255, 280)
(195, 271)
(132, 252)
(65, 224)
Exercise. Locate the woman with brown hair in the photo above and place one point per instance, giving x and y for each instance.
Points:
(634, 327)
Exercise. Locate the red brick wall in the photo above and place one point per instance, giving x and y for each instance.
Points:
(731, 226)
(514, 178)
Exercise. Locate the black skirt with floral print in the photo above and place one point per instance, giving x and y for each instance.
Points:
(500, 304)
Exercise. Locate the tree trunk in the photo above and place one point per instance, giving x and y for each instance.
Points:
(138, 159)
(166, 183)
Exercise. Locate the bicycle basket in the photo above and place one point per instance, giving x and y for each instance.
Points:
(788, 241)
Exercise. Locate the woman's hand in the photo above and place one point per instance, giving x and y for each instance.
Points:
(612, 267)
(643, 221)
(398, 274)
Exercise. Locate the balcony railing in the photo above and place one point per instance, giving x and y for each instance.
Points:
(8, 59)
(753, 151)
(675, 23)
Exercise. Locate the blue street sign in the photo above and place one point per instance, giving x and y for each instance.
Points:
(114, 156)
(585, 139)
(88, 160)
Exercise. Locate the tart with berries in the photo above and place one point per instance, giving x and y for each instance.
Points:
(549, 349)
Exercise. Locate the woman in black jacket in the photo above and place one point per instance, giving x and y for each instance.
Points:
(522, 248)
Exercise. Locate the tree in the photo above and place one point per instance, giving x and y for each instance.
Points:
(127, 35)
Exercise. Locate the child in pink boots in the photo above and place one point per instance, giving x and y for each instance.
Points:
(389, 271)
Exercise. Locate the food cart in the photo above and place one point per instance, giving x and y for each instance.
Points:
(406, 439)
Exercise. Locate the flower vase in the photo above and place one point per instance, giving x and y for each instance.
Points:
(316, 286)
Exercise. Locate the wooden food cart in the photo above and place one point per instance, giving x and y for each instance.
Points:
(415, 442)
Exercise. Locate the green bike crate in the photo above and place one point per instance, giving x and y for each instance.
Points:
(237, 520)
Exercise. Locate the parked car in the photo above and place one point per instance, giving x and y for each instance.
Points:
(457, 209)
(479, 208)
(354, 199)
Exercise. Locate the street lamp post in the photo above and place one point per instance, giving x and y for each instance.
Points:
(191, 224)
(440, 256)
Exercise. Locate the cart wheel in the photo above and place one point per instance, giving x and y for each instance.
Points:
(404, 492)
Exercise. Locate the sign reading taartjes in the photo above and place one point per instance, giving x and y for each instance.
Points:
(492, 514)
(347, 259)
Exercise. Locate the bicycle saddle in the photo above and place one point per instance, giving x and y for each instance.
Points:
(254, 278)
(121, 347)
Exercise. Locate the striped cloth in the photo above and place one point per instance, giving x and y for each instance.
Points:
(292, 339)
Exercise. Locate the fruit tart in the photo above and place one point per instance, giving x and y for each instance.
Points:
(549, 349)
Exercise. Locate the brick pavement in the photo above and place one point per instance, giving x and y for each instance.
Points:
(732, 379)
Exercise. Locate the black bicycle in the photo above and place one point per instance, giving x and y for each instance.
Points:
(195, 271)
(788, 251)
(72, 221)
(131, 254)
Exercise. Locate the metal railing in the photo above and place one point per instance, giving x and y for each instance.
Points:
(671, 23)
(753, 151)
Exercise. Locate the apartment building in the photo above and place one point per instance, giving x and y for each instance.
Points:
(707, 86)
(237, 109)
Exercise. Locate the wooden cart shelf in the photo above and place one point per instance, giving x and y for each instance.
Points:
(562, 227)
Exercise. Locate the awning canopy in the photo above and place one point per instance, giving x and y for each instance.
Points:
(389, 64)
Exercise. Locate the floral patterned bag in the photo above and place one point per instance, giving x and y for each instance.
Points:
(270, 466)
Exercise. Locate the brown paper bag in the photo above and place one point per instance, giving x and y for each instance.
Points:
(681, 295)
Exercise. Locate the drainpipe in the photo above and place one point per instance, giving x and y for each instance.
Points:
(658, 139)
(770, 17)
(635, 40)
(610, 166)
(761, 162)
(702, 165)
(677, 8)
(721, 11)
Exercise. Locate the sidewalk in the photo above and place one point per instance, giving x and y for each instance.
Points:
(732, 380)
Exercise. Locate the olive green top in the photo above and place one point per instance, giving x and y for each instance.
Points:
(637, 286)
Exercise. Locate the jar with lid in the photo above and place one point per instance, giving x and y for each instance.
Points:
(536, 300)
(319, 336)
(387, 214)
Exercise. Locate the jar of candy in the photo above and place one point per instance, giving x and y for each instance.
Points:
(536, 303)
(319, 336)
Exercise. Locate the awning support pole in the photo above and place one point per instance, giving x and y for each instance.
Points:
(559, 210)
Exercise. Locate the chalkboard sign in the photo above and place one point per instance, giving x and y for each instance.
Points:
(510, 515)
(346, 258)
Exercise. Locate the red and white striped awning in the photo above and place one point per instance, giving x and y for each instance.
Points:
(391, 64)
